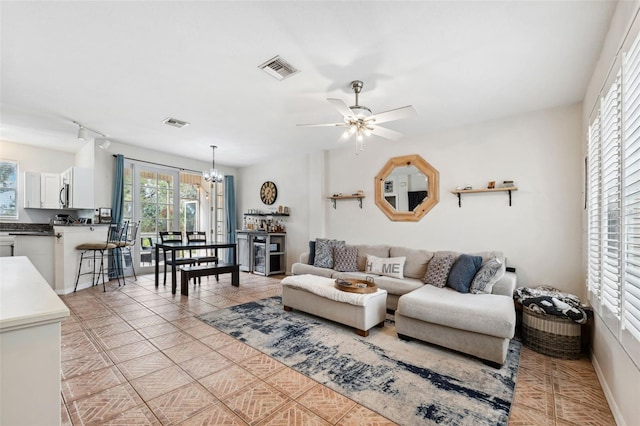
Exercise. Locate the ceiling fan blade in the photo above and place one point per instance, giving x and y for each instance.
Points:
(394, 114)
(341, 107)
(385, 133)
(323, 125)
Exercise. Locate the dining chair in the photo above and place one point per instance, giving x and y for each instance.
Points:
(169, 259)
(97, 248)
(128, 242)
(200, 257)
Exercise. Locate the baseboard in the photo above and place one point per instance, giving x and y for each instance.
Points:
(615, 411)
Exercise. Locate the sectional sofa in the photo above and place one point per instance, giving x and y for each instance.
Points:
(479, 324)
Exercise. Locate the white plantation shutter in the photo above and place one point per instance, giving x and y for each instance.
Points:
(631, 202)
(593, 208)
(611, 189)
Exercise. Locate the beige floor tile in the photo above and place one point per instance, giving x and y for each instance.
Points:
(533, 396)
(205, 364)
(262, 365)
(186, 351)
(294, 414)
(100, 407)
(144, 365)
(360, 415)
(131, 351)
(120, 339)
(160, 382)
(111, 329)
(78, 366)
(216, 415)
(91, 383)
(228, 381)
(200, 330)
(166, 341)
(290, 382)
(218, 340)
(575, 412)
(137, 416)
(238, 351)
(182, 403)
(147, 321)
(254, 403)
(522, 415)
(326, 403)
(158, 330)
(585, 394)
(186, 323)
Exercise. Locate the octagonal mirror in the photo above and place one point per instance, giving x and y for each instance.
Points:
(406, 188)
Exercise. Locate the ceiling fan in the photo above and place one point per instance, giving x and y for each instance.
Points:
(360, 121)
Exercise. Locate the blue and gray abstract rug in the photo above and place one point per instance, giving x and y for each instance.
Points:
(407, 382)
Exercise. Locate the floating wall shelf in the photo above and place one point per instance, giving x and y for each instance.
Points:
(345, 197)
(266, 214)
(459, 192)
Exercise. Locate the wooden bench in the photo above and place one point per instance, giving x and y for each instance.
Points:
(188, 272)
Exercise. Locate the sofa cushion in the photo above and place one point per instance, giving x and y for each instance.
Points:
(463, 271)
(389, 266)
(397, 286)
(345, 259)
(438, 270)
(303, 268)
(312, 252)
(481, 313)
(417, 260)
(490, 273)
(364, 250)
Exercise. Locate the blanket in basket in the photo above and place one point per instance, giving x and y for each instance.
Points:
(551, 301)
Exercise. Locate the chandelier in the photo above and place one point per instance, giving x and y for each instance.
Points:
(213, 175)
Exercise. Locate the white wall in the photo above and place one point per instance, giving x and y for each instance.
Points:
(34, 159)
(619, 376)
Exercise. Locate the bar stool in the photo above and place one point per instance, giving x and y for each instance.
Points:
(129, 242)
(97, 249)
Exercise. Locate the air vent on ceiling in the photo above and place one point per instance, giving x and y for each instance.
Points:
(278, 68)
(175, 122)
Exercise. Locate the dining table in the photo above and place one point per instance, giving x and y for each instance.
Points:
(175, 246)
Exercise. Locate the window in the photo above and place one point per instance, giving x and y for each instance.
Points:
(613, 204)
(8, 189)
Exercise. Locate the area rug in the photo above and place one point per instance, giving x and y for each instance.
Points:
(407, 382)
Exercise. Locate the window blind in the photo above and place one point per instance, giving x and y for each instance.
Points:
(631, 201)
(611, 189)
(593, 207)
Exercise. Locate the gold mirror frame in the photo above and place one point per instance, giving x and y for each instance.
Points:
(427, 204)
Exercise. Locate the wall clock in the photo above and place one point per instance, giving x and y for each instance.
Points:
(268, 193)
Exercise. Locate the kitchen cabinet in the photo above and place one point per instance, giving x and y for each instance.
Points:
(77, 188)
(40, 251)
(41, 190)
(30, 327)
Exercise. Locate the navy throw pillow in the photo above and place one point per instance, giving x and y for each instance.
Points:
(312, 252)
(463, 271)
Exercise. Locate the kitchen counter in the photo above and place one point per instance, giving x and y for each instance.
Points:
(33, 233)
(30, 345)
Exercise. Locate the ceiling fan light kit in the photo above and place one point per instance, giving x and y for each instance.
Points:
(361, 122)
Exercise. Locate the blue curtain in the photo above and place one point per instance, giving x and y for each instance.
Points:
(230, 214)
(116, 209)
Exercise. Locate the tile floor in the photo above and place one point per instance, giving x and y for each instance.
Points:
(136, 355)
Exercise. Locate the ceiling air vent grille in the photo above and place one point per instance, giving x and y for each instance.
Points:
(278, 68)
(175, 122)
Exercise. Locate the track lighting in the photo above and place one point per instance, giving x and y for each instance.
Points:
(83, 132)
(104, 144)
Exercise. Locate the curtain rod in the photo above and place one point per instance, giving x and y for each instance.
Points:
(158, 164)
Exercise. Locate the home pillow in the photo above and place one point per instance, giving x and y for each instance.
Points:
(438, 270)
(324, 252)
(463, 271)
(345, 259)
(312, 252)
(389, 266)
(490, 272)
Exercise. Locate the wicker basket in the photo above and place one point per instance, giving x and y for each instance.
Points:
(550, 335)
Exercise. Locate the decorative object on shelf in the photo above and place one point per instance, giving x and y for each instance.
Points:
(339, 196)
(491, 184)
(459, 192)
(268, 193)
(213, 175)
(507, 184)
(403, 205)
(359, 121)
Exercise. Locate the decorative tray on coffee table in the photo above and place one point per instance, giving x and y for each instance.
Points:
(353, 285)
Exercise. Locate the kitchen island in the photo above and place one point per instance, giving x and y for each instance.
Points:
(30, 342)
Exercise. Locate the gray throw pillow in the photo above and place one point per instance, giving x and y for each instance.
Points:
(438, 270)
(324, 252)
(490, 272)
(463, 271)
(345, 259)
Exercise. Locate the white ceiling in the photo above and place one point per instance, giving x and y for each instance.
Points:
(121, 67)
